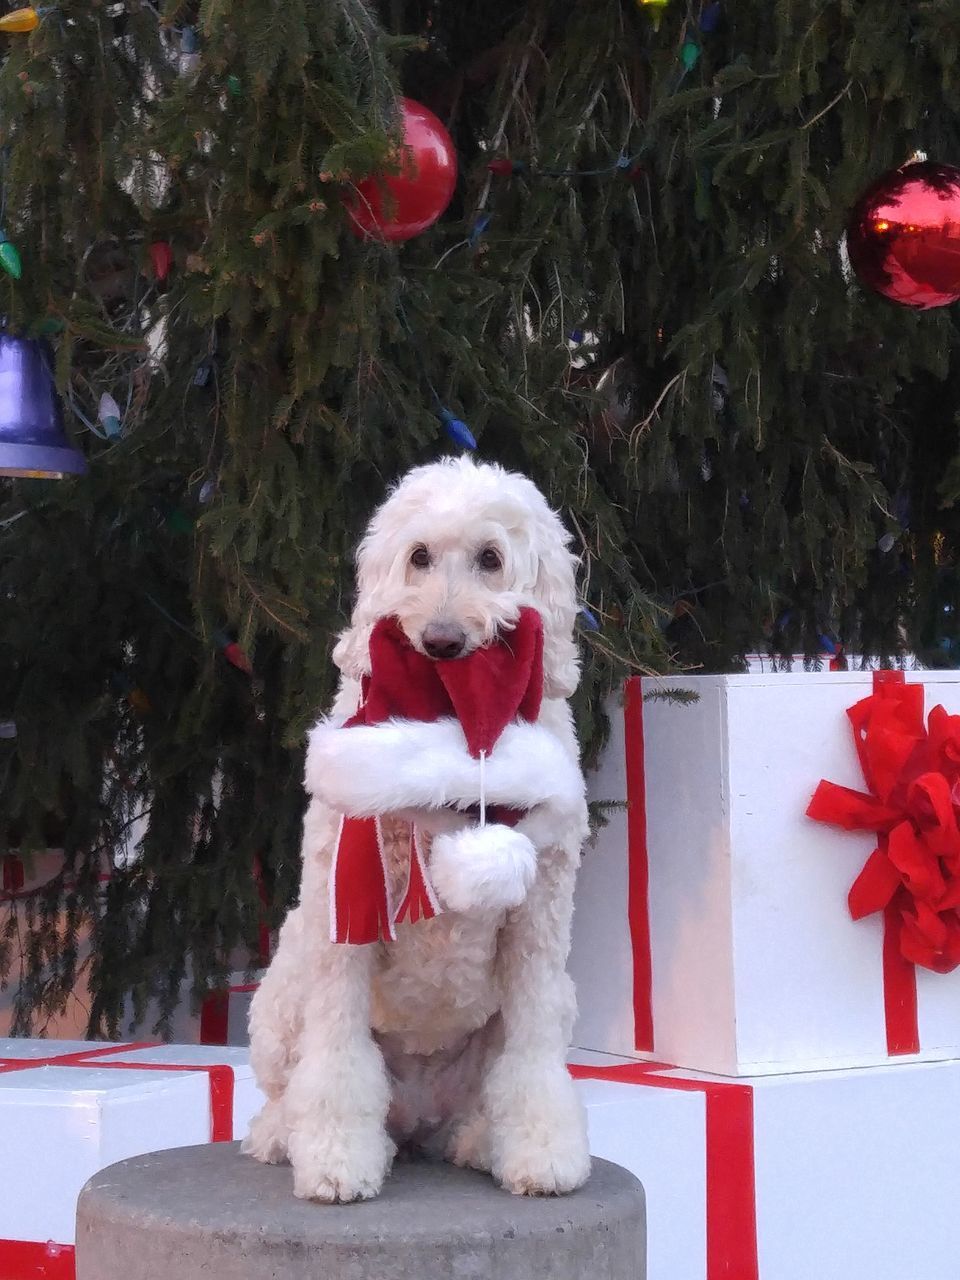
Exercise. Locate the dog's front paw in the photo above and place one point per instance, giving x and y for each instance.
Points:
(335, 1172)
(552, 1169)
(539, 1133)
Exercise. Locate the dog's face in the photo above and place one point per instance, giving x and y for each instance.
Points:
(454, 553)
(461, 576)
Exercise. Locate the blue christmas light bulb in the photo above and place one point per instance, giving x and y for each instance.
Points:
(457, 430)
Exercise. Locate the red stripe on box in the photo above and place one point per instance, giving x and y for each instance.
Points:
(623, 1073)
(638, 884)
(731, 1184)
(731, 1213)
(220, 1077)
(31, 1260)
(215, 1018)
(221, 1090)
(215, 1013)
(13, 875)
(79, 1059)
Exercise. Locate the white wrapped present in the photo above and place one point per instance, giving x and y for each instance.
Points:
(823, 1174)
(70, 1108)
(712, 926)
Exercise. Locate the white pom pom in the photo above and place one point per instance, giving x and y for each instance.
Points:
(482, 868)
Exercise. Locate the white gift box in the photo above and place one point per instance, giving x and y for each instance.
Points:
(70, 1108)
(843, 1173)
(711, 927)
(828, 1174)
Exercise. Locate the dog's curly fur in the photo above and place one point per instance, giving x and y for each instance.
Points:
(452, 1039)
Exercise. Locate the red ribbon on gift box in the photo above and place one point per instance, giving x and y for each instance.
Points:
(33, 1260)
(215, 1014)
(913, 875)
(638, 870)
(731, 1209)
(731, 1184)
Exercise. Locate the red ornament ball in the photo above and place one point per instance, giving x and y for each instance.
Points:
(398, 206)
(904, 235)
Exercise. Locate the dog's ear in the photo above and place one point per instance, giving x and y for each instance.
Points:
(351, 653)
(556, 593)
(376, 563)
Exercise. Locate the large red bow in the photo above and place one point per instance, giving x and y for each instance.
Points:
(913, 772)
(485, 691)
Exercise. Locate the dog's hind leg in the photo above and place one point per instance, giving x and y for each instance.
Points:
(275, 1026)
(469, 1145)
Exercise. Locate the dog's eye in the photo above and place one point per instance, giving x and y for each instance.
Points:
(420, 558)
(489, 560)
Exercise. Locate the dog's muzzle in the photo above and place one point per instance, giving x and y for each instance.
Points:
(443, 640)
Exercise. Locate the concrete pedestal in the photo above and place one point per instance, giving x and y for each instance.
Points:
(208, 1213)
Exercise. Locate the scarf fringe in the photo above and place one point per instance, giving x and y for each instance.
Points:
(419, 901)
(360, 908)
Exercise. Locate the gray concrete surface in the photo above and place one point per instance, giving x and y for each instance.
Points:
(208, 1213)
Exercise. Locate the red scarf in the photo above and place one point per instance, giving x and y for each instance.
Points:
(485, 691)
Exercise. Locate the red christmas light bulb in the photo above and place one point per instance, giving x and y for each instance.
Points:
(161, 256)
(237, 658)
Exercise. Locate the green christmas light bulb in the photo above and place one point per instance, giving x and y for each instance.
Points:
(10, 257)
(690, 54)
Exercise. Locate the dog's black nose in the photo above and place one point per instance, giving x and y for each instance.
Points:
(444, 639)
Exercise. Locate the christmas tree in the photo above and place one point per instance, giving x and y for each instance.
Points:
(638, 295)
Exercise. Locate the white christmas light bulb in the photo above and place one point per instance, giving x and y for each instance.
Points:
(109, 415)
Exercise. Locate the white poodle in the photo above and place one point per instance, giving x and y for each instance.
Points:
(452, 1038)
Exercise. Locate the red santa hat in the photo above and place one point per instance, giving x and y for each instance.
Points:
(485, 691)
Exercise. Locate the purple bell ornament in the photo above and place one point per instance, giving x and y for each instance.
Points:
(32, 439)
